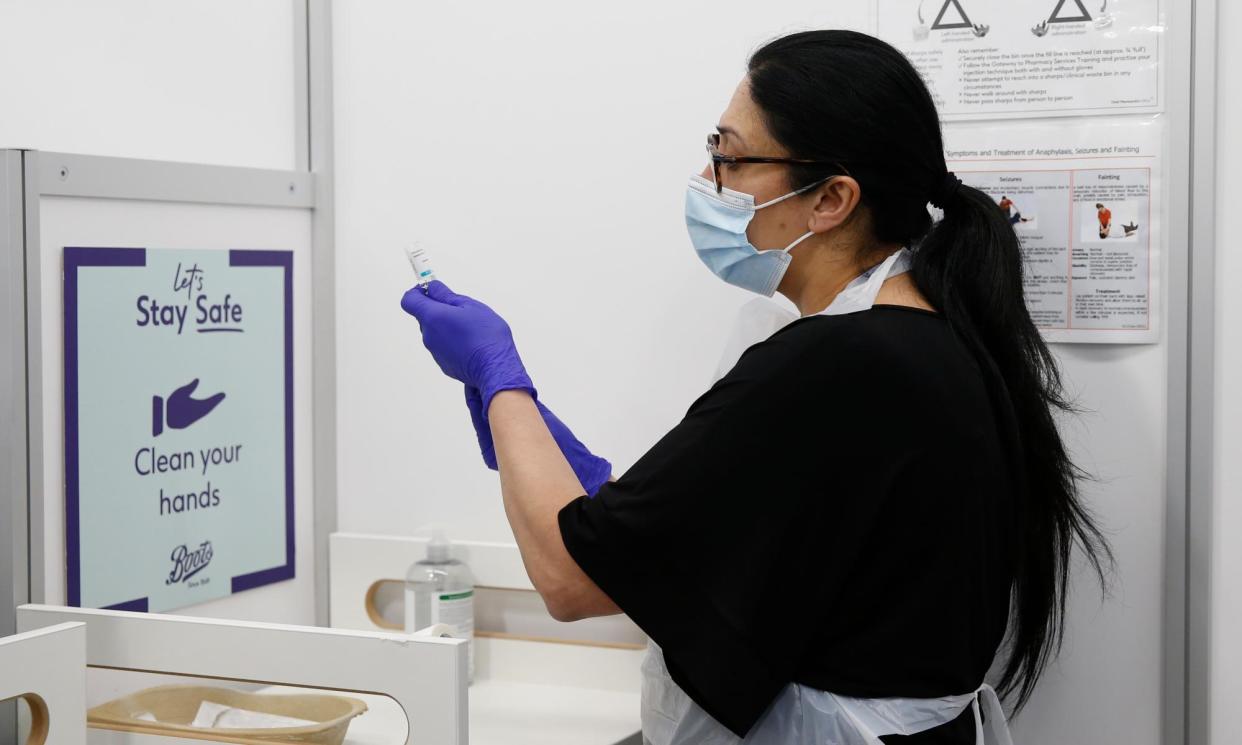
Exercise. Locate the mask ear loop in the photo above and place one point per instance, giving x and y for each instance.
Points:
(794, 193)
(790, 195)
(790, 247)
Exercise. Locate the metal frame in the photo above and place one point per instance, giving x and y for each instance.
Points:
(65, 175)
(1200, 393)
(14, 542)
(317, 126)
(34, 378)
(1178, 77)
(1191, 83)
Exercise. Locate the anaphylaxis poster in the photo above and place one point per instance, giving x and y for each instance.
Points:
(1031, 58)
(1085, 202)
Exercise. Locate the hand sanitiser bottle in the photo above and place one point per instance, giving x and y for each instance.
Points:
(440, 589)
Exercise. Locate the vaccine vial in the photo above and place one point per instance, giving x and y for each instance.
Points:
(422, 265)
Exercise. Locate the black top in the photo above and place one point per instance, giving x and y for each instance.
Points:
(833, 512)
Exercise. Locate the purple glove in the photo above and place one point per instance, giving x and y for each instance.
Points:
(468, 341)
(592, 471)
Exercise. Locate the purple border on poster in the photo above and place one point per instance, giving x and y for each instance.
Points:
(76, 257)
(283, 259)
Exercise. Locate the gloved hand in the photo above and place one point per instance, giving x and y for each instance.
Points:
(468, 341)
(592, 471)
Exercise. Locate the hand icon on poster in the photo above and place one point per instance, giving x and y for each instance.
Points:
(182, 410)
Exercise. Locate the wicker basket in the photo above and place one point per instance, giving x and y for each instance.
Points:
(175, 706)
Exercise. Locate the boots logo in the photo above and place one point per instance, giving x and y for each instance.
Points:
(187, 562)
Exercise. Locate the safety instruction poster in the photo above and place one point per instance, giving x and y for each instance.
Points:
(178, 424)
(1081, 201)
(1031, 58)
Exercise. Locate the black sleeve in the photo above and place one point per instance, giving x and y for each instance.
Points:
(729, 538)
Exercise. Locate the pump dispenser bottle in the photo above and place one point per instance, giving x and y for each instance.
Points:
(440, 589)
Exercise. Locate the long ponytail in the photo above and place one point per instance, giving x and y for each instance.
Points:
(848, 98)
(970, 267)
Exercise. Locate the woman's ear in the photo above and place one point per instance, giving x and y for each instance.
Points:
(833, 203)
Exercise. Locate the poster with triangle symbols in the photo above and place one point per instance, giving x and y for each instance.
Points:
(951, 16)
(989, 59)
(1069, 17)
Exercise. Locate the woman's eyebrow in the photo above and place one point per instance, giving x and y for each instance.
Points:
(726, 130)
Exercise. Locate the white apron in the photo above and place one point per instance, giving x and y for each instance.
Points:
(800, 714)
(760, 318)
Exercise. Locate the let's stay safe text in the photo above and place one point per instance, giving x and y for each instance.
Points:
(222, 315)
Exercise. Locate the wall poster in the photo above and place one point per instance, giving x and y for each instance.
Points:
(178, 424)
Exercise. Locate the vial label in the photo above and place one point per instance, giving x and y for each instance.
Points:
(421, 265)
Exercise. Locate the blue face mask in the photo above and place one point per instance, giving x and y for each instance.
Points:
(717, 225)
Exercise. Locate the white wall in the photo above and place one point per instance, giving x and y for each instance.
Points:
(208, 81)
(543, 157)
(1106, 687)
(1226, 645)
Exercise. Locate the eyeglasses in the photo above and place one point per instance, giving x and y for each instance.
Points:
(713, 149)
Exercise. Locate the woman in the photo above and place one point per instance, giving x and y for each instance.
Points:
(833, 543)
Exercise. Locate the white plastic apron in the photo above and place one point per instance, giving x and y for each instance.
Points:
(800, 714)
(806, 716)
(760, 318)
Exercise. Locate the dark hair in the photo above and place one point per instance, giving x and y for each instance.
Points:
(852, 99)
